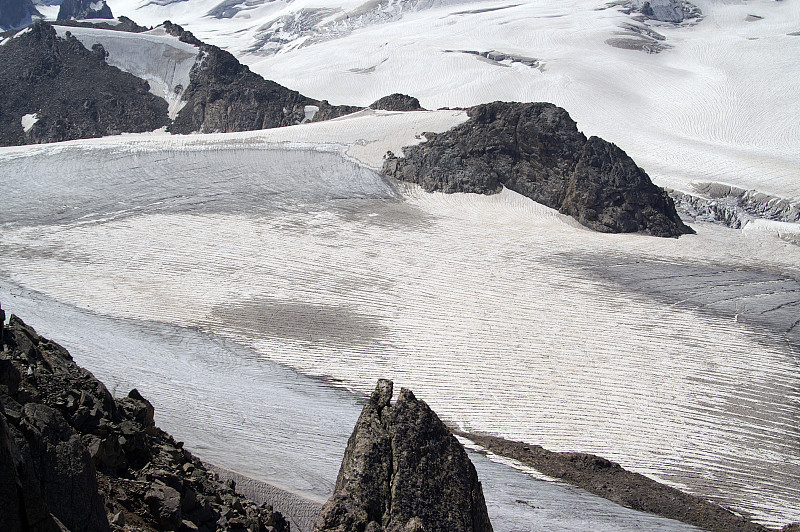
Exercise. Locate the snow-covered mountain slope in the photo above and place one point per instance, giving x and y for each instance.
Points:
(718, 104)
(160, 59)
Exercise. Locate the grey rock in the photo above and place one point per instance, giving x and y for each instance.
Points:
(535, 149)
(224, 95)
(71, 446)
(17, 14)
(72, 91)
(404, 471)
(397, 102)
(84, 9)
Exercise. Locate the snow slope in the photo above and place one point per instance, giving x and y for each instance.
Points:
(720, 105)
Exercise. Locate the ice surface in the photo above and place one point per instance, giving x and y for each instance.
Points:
(236, 409)
(160, 59)
(506, 316)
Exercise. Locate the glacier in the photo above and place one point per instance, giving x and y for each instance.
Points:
(673, 357)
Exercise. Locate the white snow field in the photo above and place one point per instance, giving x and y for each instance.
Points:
(675, 357)
(720, 105)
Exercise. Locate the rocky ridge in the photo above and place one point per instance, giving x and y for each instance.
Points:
(535, 149)
(225, 95)
(404, 471)
(55, 89)
(73, 457)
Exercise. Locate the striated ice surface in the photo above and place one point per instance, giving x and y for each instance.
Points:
(675, 357)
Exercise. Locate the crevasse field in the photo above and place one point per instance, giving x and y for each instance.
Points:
(255, 285)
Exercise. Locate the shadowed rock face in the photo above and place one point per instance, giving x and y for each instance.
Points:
(404, 471)
(83, 9)
(535, 149)
(17, 13)
(225, 95)
(69, 92)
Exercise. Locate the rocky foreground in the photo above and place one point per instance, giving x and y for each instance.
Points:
(72, 457)
(535, 149)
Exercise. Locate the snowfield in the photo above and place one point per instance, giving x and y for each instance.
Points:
(674, 357)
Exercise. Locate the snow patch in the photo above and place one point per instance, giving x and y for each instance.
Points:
(28, 121)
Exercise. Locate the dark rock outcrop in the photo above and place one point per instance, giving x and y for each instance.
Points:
(675, 11)
(83, 9)
(224, 95)
(610, 481)
(404, 471)
(123, 23)
(73, 456)
(69, 92)
(17, 14)
(397, 102)
(535, 149)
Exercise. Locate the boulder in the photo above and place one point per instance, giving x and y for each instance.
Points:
(535, 149)
(397, 102)
(404, 471)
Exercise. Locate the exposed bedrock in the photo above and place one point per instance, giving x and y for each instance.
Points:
(397, 102)
(17, 14)
(535, 149)
(84, 9)
(72, 455)
(224, 95)
(55, 89)
(404, 471)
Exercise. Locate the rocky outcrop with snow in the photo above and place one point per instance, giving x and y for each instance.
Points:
(224, 95)
(71, 455)
(674, 11)
(84, 9)
(17, 14)
(68, 92)
(397, 102)
(404, 471)
(535, 149)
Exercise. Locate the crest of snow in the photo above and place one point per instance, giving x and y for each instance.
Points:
(160, 59)
(28, 121)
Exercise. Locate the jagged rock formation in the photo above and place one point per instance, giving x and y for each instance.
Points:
(404, 471)
(225, 96)
(72, 455)
(535, 149)
(55, 89)
(83, 9)
(397, 102)
(17, 14)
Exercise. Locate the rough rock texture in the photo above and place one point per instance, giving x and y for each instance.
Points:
(123, 24)
(83, 9)
(535, 149)
(674, 11)
(223, 95)
(17, 14)
(71, 454)
(72, 91)
(404, 471)
(610, 481)
(397, 102)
